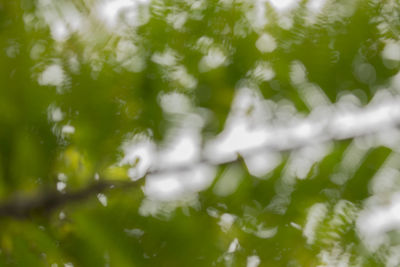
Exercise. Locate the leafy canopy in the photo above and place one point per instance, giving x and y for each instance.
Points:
(97, 94)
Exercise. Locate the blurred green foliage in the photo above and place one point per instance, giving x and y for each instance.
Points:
(110, 90)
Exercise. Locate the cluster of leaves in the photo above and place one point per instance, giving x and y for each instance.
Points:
(105, 86)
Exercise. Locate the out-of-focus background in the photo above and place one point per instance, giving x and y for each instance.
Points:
(199, 133)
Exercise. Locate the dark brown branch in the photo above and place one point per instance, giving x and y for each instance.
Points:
(45, 202)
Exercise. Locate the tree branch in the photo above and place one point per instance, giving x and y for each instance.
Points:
(44, 202)
(335, 128)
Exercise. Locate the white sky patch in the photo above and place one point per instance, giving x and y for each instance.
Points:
(163, 208)
(315, 216)
(62, 18)
(246, 98)
(129, 56)
(166, 58)
(266, 43)
(302, 168)
(253, 124)
(265, 233)
(262, 72)
(313, 96)
(140, 153)
(72, 17)
(387, 179)
(261, 164)
(102, 199)
(55, 113)
(303, 130)
(177, 20)
(237, 136)
(303, 159)
(175, 102)
(391, 51)
(336, 256)
(110, 10)
(316, 6)
(53, 75)
(352, 157)
(67, 130)
(299, 167)
(204, 43)
(351, 161)
(285, 111)
(199, 178)
(234, 245)
(59, 30)
(182, 149)
(298, 73)
(62, 215)
(213, 212)
(195, 121)
(285, 22)
(180, 174)
(283, 5)
(177, 185)
(214, 59)
(344, 214)
(382, 112)
(61, 186)
(379, 216)
(229, 181)
(164, 187)
(253, 261)
(295, 225)
(125, 49)
(181, 75)
(256, 16)
(226, 221)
